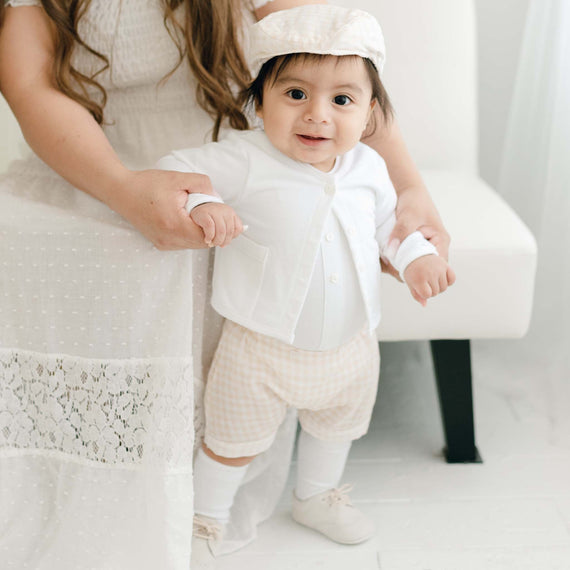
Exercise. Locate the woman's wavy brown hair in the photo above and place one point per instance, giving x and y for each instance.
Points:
(209, 40)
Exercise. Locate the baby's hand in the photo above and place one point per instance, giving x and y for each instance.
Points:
(428, 276)
(219, 222)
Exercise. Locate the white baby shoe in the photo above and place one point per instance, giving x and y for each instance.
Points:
(332, 514)
(206, 536)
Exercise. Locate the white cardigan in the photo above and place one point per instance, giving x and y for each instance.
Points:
(261, 279)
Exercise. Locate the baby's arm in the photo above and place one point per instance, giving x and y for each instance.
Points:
(218, 221)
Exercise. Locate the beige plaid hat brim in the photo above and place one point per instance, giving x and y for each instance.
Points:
(317, 28)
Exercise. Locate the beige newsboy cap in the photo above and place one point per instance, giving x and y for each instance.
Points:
(316, 28)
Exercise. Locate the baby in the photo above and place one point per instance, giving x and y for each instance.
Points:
(300, 288)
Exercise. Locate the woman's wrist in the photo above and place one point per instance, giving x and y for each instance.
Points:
(417, 198)
(115, 190)
(417, 190)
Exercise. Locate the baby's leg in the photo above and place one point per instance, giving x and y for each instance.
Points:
(318, 502)
(329, 426)
(242, 418)
(216, 482)
(320, 465)
(339, 412)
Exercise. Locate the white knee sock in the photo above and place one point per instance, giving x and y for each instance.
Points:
(215, 486)
(319, 465)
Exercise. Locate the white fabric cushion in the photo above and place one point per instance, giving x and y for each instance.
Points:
(494, 256)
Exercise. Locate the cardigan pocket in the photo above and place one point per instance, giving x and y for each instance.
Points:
(238, 276)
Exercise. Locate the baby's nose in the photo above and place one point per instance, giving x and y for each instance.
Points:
(317, 111)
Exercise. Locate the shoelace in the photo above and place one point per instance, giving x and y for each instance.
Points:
(340, 496)
(207, 529)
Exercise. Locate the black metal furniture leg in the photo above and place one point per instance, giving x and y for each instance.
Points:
(452, 365)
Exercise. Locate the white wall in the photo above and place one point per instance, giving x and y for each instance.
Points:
(500, 26)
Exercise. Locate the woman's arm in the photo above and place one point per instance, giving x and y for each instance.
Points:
(67, 138)
(415, 209)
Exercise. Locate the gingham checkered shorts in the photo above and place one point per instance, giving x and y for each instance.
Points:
(254, 378)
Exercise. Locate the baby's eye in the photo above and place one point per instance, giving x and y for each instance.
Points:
(342, 100)
(296, 94)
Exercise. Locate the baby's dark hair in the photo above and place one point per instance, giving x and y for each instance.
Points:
(272, 69)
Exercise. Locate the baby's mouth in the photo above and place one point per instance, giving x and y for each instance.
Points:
(310, 139)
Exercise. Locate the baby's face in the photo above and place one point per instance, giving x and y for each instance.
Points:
(316, 111)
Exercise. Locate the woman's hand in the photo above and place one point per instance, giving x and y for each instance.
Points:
(154, 201)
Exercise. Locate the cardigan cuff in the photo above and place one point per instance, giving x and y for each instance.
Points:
(197, 199)
(414, 246)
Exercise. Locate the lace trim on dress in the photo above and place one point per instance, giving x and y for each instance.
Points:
(125, 412)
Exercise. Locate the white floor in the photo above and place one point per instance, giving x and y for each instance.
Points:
(510, 513)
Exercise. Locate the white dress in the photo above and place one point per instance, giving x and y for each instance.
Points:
(102, 342)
